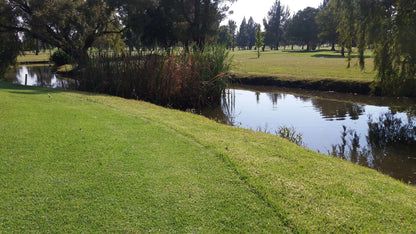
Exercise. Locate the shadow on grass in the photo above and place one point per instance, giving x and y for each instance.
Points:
(336, 56)
(21, 89)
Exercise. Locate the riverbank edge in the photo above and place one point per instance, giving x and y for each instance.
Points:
(341, 86)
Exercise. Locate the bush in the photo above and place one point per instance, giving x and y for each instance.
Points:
(60, 58)
(177, 79)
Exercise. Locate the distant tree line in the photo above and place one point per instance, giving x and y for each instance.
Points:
(387, 27)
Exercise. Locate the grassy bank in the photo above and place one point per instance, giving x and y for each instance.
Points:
(78, 162)
(299, 65)
(31, 58)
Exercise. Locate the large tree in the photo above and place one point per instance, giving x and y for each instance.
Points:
(251, 32)
(277, 18)
(327, 21)
(232, 26)
(388, 26)
(9, 42)
(303, 29)
(71, 25)
(166, 22)
(242, 35)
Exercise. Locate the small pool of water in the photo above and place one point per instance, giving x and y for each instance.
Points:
(42, 76)
(379, 133)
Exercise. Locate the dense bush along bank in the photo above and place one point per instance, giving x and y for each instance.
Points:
(176, 79)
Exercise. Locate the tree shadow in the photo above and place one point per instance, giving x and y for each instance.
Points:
(27, 90)
(336, 56)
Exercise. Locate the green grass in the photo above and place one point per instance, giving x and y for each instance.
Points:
(78, 162)
(298, 65)
(31, 57)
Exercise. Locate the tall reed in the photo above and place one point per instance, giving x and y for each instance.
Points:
(177, 79)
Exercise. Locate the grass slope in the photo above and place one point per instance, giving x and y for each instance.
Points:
(80, 162)
(298, 65)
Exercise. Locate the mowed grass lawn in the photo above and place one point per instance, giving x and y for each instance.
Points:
(299, 65)
(79, 162)
(31, 57)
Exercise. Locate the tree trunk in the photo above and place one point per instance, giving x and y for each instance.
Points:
(37, 46)
(333, 47)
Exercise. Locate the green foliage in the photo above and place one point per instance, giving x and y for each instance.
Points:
(303, 29)
(274, 25)
(225, 37)
(60, 58)
(178, 79)
(390, 28)
(9, 42)
(327, 21)
(291, 134)
(72, 26)
(259, 40)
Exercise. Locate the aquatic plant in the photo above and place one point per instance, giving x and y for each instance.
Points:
(291, 134)
(175, 78)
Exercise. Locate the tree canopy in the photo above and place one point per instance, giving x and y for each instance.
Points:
(303, 28)
(274, 24)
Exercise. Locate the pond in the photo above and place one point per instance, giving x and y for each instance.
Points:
(42, 76)
(375, 132)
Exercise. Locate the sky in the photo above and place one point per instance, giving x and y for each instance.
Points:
(258, 8)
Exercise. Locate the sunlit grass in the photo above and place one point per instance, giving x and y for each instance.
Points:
(78, 162)
(28, 56)
(298, 65)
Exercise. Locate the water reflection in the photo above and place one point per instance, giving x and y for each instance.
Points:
(379, 137)
(42, 76)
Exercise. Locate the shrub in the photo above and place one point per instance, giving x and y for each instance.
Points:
(177, 79)
(60, 58)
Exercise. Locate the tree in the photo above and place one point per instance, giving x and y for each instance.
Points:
(303, 28)
(274, 25)
(251, 31)
(224, 37)
(388, 26)
(9, 41)
(232, 26)
(72, 25)
(242, 35)
(259, 40)
(165, 22)
(327, 21)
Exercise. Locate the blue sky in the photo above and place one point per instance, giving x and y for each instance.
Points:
(258, 8)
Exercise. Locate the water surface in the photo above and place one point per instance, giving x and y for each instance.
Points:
(42, 76)
(375, 132)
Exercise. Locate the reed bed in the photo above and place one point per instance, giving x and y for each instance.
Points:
(174, 78)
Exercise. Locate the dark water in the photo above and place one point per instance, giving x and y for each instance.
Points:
(379, 133)
(42, 76)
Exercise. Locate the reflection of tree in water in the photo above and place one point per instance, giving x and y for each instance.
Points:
(338, 110)
(350, 149)
(328, 108)
(390, 130)
(275, 97)
(226, 113)
(390, 141)
(44, 75)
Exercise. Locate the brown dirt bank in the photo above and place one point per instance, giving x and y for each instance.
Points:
(320, 85)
